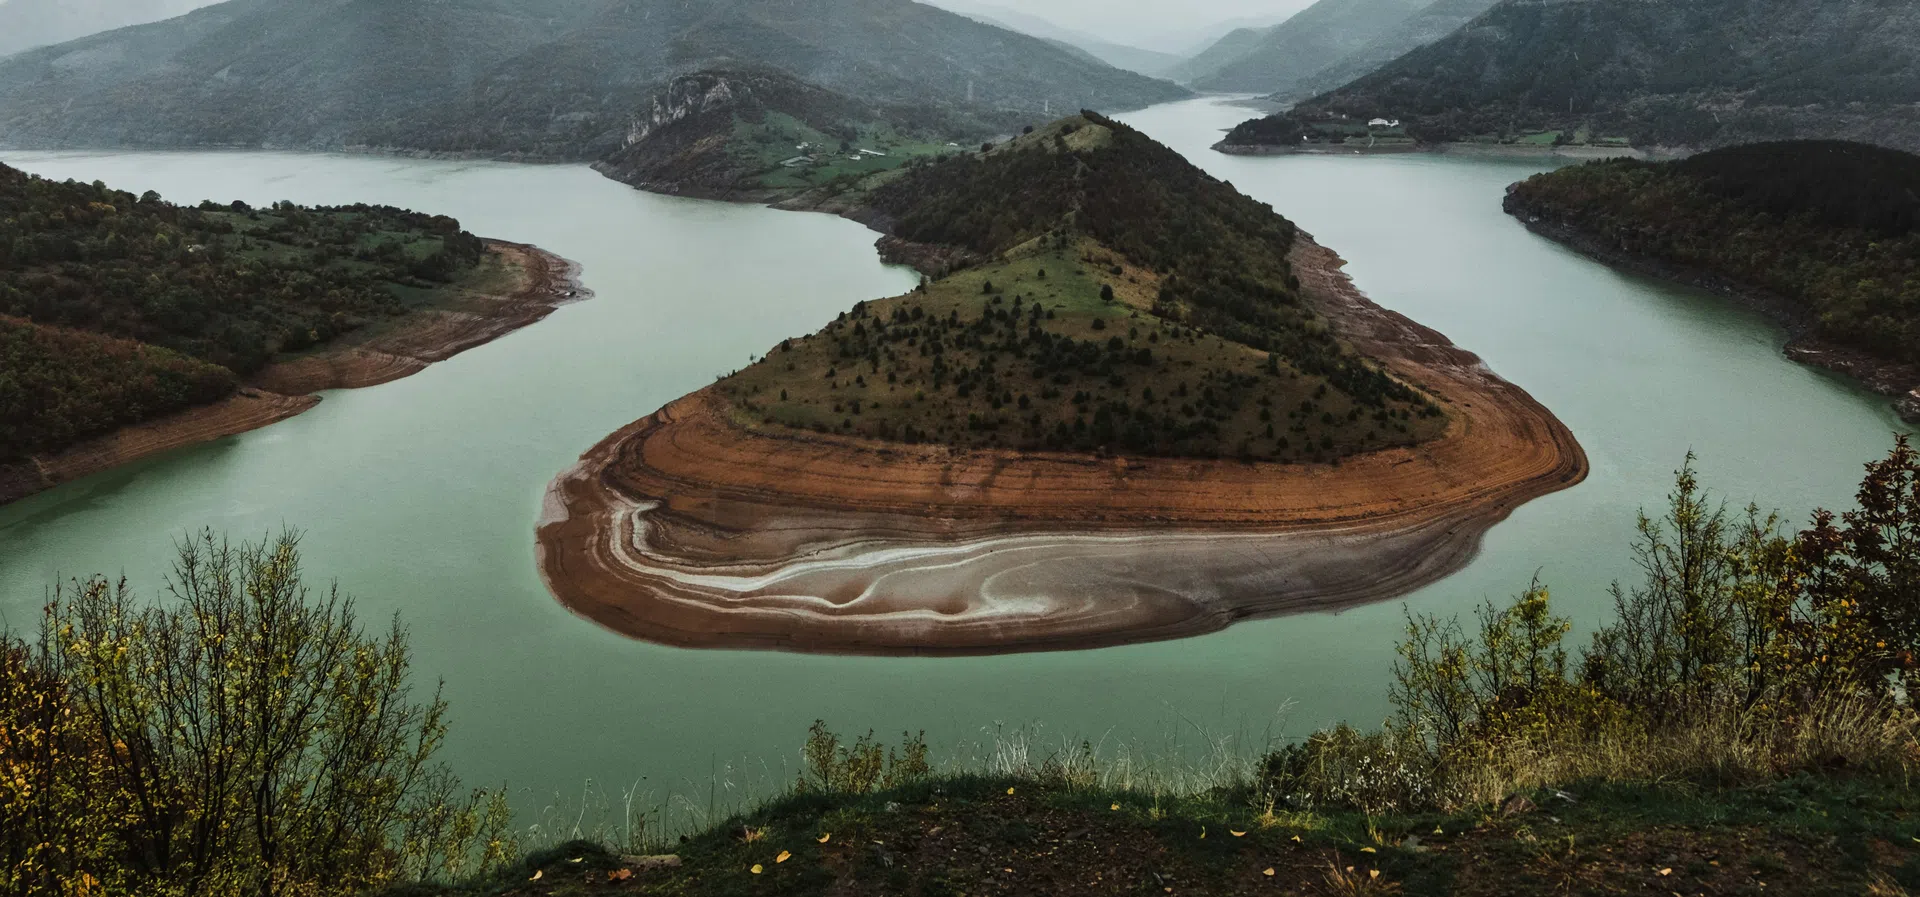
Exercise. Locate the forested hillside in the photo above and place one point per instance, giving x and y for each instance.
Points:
(1699, 73)
(1126, 301)
(1833, 228)
(119, 308)
(1317, 37)
(540, 78)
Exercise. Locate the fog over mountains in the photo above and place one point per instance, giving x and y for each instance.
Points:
(536, 78)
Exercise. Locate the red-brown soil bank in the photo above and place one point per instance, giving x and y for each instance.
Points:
(284, 390)
(688, 529)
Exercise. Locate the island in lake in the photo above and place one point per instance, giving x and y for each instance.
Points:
(131, 326)
(1127, 403)
(1822, 235)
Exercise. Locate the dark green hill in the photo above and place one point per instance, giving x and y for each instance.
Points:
(547, 78)
(1675, 73)
(118, 308)
(1121, 299)
(1824, 234)
(1317, 37)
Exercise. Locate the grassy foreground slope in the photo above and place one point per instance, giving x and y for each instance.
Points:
(1118, 298)
(116, 308)
(1824, 234)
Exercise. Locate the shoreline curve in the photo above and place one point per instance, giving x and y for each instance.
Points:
(286, 389)
(686, 529)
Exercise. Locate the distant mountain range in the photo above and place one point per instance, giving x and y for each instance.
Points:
(1120, 56)
(532, 78)
(1275, 59)
(25, 24)
(1427, 26)
(1681, 73)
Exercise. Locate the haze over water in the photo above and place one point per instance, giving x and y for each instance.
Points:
(420, 496)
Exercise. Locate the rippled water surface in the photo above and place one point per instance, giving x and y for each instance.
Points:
(420, 496)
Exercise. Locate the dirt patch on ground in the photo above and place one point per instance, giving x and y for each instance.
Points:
(687, 529)
(284, 390)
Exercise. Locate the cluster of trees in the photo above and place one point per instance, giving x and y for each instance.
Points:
(1746, 649)
(244, 736)
(1831, 227)
(1018, 377)
(1224, 257)
(229, 286)
(61, 386)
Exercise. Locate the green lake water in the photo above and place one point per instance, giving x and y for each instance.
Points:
(420, 496)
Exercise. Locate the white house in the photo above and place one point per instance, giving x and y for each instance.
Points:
(1383, 123)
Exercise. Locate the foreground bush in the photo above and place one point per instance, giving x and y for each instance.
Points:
(1745, 654)
(244, 736)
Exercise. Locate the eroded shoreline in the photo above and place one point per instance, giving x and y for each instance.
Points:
(687, 529)
(285, 390)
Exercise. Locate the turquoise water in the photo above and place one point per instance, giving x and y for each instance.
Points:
(420, 496)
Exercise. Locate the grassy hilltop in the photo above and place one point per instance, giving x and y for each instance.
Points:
(1116, 298)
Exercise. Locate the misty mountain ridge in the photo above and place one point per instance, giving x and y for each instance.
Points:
(525, 78)
(1275, 59)
(1121, 56)
(1698, 74)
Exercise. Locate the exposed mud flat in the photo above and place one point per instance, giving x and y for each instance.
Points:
(284, 390)
(688, 529)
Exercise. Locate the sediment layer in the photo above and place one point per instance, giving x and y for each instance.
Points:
(688, 529)
(284, 390)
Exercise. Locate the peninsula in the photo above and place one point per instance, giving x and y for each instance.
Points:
(131, 326)
(1127, 403)
(1824, 236)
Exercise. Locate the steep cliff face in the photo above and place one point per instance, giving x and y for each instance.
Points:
(541, 78)
(1696, 73)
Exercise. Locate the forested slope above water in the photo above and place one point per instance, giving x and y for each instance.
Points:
(1650, 73)
(116, 308)
(1825, 235)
